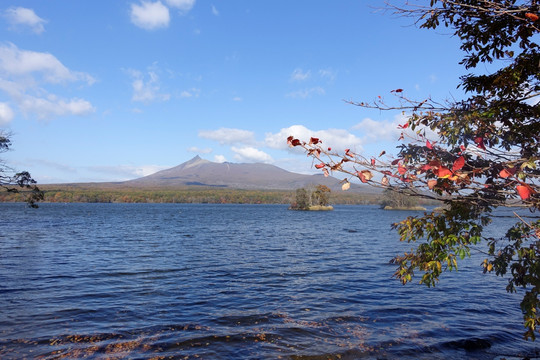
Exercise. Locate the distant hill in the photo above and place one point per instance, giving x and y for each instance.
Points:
(203, 173)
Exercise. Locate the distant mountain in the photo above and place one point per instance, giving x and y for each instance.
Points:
(204, 173)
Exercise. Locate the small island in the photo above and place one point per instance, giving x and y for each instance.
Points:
(312, 199)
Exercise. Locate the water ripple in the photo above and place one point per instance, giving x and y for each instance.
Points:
(234, 281)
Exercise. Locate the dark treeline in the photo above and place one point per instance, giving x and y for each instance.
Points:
(95, 194)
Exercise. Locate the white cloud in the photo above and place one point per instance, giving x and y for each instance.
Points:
(380, 130)
(306, 93)
(6, 114)
(337, 139)
(193, 92)
(182, 5)
(377, 131)
(150, 15)
(23, 75)
(22, 17)
(146, 87)
(215, 11)
(251, 154)
(17, 62)
(198, 150)
(220, 158)
(229, 136)
(53, 106)
(328, 74)
(300, 75)
(237, 98)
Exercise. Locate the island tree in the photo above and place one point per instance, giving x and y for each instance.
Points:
(484, 155)
(311, 196)
(17, 182)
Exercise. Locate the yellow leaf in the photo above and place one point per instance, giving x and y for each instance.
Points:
(346, 186)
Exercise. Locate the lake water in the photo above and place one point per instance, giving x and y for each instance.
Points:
(235, 282)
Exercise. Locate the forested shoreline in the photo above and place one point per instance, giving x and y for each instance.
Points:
(119, 194)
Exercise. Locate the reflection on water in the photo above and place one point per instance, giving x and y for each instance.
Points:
(235, 281)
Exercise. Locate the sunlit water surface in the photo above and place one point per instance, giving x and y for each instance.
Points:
(236, 282)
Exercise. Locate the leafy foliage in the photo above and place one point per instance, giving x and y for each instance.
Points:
(20, 182)
(305, 198)
(398, 200)
(485, 155)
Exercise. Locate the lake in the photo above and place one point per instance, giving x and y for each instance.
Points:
(186, 281)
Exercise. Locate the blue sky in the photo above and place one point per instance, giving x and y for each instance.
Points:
(113, 90)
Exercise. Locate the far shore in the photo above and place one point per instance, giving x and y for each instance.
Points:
(413, 208)
(315, 208)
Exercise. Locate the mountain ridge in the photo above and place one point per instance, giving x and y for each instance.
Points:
(199, 172)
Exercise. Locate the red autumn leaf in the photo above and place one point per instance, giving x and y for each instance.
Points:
(386, 172)
(372, 162)
(320, 166)
(361, 177)
(431, 184)
(314, 152)
(505, 173)
(404, 126)
(443, 172)
(525, 191)
(397, 90)
(314, 141)
(382, 153)
(458, 164)
(364, 175)
(402, 169)
(479, 141)
(395, 162)
(289, 140)
(429, 145)
(531, 16)
(425, 168)
(462, 147)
